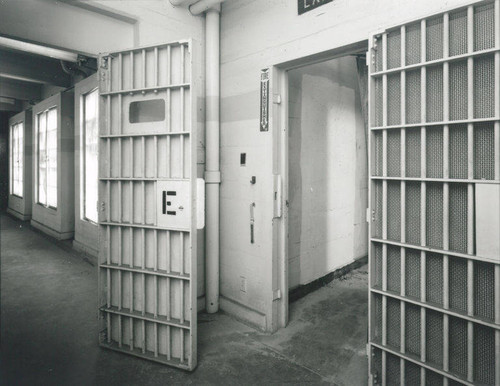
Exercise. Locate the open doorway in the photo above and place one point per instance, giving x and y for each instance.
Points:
(327, 172)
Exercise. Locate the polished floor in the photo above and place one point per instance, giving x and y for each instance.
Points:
(49, 329)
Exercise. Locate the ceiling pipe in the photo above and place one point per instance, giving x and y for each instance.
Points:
(201, 6)
(177, 3)
(212, 173)
(38, 49)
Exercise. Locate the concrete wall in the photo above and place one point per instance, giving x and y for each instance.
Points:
(255, 35)
(20, 207)
(327, 186)
(58, 222)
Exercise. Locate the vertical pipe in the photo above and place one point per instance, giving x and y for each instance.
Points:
(212, 175)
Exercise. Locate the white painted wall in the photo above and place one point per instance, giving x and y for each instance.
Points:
(63, 25)
(257, 34)
(326, 130)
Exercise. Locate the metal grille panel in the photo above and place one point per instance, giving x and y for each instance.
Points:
(458, 147)
(484, 290)
(412, 374)
(394, 210)
(484, 88)
(394, 99)
(458, 346)
(412, 273)
(458, 284)
(434, 278)
(458, 90)
(413, 39)
(458, 218)
(394, 49)
(458, 29)
(434, 94)
(434, 338)
(433, 379)
(434, 152)
(413, 213)
(434, 38)
(412, 331)
(393, 323)
(393, 153)
(434, 215)
(484, 355)
(393, 370)
(413, 154)
(427, 165)
(484, 151)
(377, 265)
(393, 269)
(413, 97)
(484, 27)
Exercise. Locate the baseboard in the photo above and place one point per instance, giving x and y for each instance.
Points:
(303, 290)
(51, 232)
(87, 250)
(19, 216)
(243, 313)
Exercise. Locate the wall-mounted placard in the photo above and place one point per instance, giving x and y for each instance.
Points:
(309, 5)
(264, 100)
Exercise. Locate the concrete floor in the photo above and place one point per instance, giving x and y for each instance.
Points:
(49, 334)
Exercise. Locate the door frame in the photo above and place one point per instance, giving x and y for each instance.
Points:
(279, 125)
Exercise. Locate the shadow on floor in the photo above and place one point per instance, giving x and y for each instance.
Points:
(49, 329)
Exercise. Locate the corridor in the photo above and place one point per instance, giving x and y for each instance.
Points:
(49, 329)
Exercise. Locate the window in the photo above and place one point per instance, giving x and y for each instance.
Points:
(88, 170)
(47, 157)
(16, 159)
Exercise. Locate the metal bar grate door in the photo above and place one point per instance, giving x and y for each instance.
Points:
(435, 178)
(147, 191)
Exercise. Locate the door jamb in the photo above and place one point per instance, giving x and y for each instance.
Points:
(279, 123)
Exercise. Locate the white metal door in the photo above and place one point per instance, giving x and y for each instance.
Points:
(434, 201)
(147, 204)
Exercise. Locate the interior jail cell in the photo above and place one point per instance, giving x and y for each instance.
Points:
(435, 179)
(147, 209)
(86, 165)
(328, 189)
(20, 158)
(53, 166)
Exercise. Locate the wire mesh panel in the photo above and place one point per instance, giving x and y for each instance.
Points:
(435, 124)
(147, 262)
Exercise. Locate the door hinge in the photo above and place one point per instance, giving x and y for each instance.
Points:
(277, 99)
(276, 294)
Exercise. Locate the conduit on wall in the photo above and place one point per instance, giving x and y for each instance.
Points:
(212, 173)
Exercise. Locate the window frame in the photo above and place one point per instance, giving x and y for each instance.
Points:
(16, 167)
(83, 156)
(45, 113)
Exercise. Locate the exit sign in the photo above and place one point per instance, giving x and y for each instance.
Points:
(309, 5)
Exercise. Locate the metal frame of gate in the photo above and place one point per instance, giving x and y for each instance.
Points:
(147, 271)
(434, 145)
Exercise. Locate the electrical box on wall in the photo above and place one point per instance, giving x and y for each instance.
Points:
(173, 200)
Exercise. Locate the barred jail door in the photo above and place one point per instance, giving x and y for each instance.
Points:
(434, 201)
(147, 204)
